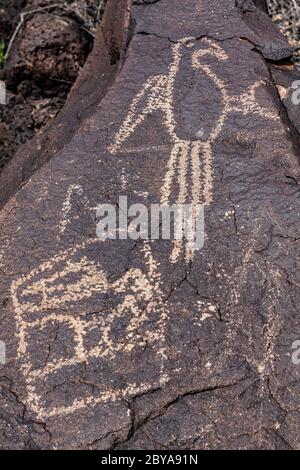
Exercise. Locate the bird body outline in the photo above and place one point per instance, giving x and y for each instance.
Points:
(157, 94)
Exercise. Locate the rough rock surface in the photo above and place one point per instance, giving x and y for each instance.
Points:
(121, 344)
(89, 89)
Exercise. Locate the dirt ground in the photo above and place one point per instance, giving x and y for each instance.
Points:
(46, 43)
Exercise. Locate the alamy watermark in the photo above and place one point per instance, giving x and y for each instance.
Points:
(296, 353)
(160, 221)
(2, 92)
(296, 92)
(2, 353)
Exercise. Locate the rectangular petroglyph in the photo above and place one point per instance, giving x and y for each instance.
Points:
(52, 298)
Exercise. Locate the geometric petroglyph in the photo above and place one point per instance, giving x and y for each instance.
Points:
(187, 157)
(131, 318)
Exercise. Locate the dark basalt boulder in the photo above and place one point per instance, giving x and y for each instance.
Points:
(132, 344)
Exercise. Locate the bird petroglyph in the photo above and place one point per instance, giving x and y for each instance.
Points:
(187, 157)
(53, 294)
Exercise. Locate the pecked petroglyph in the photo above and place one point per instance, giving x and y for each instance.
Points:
(60, 290)
(73, 189)
(187, 157)
(67, 205)
(53, 294)
(238, 322)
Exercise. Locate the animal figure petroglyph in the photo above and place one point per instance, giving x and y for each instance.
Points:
(57, 293)
(60, 289)
(195, 155)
